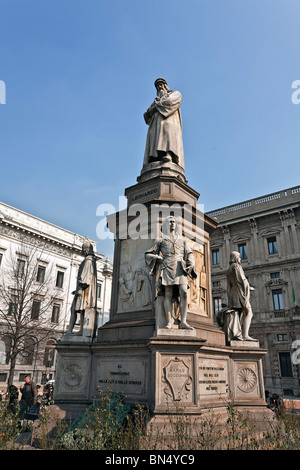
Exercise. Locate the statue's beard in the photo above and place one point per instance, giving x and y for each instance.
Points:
(162, 92)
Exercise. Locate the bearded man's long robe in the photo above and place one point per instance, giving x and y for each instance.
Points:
(165, 129)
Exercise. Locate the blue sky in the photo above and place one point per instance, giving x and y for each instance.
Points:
(79, 76)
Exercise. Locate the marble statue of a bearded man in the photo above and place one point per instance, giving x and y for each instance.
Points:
(238, 292)
(86, 288)
(164, 137)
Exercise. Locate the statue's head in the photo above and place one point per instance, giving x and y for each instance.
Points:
(161, 86)
(169, 225)
(87, 247)
(160, 82)
(235, 257)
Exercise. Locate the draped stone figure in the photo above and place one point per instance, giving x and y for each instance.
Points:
(85, 295)
(164, 137)
(236, 318)
(173, 259)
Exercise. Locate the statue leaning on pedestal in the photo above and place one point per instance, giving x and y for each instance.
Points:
(236, 318)
(164, 137)
(173, 259)
(85, 295)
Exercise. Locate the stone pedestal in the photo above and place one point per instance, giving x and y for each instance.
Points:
(170, 369)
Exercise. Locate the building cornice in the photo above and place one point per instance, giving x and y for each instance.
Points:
(258, 207)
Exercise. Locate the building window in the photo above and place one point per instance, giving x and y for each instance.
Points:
(49, 354)
(288, 391)
(99, 291)
(27, 354)
(278, 299)
(22, 376)
(20, 267)
(12, 307)
(216, 284)
(282, 338)
(55, 313)
(275, 275)
(1, 256)
(243, 250)
(35, 311)
(40, 277)
(285, 364)
(215, 257)
(217, 304)
(3, 377)
(60, 279)
(272, 245)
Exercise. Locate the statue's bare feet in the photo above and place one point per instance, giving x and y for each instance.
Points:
(185, 326)
(248, 338)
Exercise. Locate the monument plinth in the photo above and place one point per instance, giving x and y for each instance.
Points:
(161, 345)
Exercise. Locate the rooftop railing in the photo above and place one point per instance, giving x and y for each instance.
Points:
(256, 201)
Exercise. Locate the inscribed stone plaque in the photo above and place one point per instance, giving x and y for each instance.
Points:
(213, 377)
(126, 376)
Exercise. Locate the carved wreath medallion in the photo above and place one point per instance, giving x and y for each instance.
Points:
(246, 379)
(72, 376)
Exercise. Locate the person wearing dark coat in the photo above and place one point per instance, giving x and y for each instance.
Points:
(29, 396)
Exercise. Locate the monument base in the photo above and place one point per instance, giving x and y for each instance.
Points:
(170, 373)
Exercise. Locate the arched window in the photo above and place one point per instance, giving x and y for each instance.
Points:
(2, 352)
(28, 352)
(7, 340)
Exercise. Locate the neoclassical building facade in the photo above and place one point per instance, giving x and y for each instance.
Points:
(54, 255)
(266, 232)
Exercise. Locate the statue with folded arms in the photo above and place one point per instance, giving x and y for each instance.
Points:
(164, 137)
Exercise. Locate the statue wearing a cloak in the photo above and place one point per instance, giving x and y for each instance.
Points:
(236, 318)
(85, 295)
(164, 138)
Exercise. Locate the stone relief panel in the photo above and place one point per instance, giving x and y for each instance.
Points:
(135, 291)
(177, 380)
(198, 287)
(247, 379)
(72, 376)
